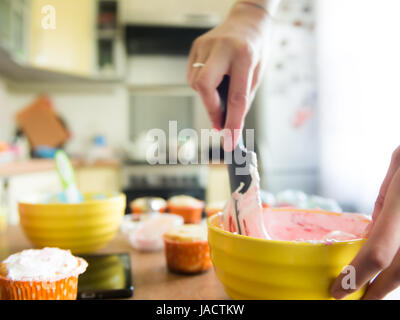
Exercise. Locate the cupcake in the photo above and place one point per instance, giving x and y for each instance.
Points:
(186, 206)
(214, 207)
(41, 274)
(148, 204)
(186, 249)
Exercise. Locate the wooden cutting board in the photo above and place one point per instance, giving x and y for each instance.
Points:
(41, 125)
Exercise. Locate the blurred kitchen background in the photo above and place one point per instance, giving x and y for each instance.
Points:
(326, 115)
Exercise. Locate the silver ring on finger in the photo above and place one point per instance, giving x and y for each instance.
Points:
(198, 65)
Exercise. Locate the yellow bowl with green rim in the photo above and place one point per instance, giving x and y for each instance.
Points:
(259, 269)
(82, 228)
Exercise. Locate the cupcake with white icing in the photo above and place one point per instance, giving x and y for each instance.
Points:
(148, 204)
(41, 274)
(186, 206)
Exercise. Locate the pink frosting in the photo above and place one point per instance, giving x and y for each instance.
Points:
(289, 224)
(302, 225)
(249, 207)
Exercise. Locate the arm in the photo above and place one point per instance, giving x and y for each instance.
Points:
(235, 47)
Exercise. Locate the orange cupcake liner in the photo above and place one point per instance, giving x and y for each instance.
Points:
(189, 214)
(63, 289)
(187, 257)
(139, 210)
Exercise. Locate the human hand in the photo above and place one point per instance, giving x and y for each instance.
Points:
(380, 254)
(234, 48)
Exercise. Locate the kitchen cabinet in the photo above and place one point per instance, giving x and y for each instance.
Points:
(218, 188)
(109, 39)
(14, 25)
(98, 179)
(5, 24)
(174, 12)
(69, 46)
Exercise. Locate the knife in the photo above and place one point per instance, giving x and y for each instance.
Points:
(238, 172)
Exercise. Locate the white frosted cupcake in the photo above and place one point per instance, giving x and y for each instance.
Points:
(141, 205)
(188, 207)
(41, 274)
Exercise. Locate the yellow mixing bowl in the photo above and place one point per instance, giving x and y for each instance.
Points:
(252, 268)
(83, 228)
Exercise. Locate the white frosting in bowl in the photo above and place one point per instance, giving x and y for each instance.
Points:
(47, 264)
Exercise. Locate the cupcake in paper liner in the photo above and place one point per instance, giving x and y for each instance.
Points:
(186, 206)
(41, 274)
(187, 249)
(148, 204)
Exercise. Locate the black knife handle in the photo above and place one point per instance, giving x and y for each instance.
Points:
(234, 179)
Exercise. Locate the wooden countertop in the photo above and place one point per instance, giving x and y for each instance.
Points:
(38, 165)
(151, 278)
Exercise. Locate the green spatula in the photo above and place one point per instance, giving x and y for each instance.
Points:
(65, 171)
